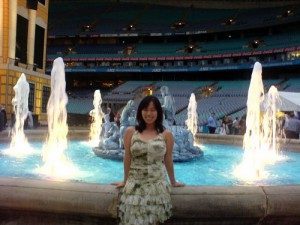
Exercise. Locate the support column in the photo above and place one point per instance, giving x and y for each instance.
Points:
(5, 27)
(12, 29)
(1, 30)
(31, 36)
(45, 37)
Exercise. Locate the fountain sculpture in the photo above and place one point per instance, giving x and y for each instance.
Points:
(111, 144)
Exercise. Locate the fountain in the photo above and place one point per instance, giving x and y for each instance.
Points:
(56, 164)
(88, 196)
(127, 113)
(97, 116)
(111, 145)
(184, 148)
(257, 153)
(19, 146)
(192, 119)
(270, 145)
(260, 138)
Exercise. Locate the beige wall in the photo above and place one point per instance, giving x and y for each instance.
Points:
(9, 77)
(9, 73)
(5, 24)
(8, 25)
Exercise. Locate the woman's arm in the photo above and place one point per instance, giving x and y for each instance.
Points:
(127, 156)
(169, 159)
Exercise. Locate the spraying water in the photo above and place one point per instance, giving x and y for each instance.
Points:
(56, 164)
(252, 166)
(97, 116)
(19, 146)
(192, 120)
(260, 140)
(269, 143)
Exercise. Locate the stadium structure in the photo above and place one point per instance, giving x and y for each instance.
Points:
(131, 48)
(23, 38)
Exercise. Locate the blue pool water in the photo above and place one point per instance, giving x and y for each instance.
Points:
(215, 168)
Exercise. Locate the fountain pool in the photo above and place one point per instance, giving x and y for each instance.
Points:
(214, 169)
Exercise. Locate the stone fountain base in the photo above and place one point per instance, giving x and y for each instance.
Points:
(184, 149)
(115, 154)
(41, 202)
(118, 154)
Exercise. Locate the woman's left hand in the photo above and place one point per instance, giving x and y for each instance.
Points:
(119, 184)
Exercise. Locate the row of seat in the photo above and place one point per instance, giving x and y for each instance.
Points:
(174, 49)
(68, 18)
(221, 104)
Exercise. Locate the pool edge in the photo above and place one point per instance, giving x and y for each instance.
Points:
(96, 202)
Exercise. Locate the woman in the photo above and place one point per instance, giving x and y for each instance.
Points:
(145, 198)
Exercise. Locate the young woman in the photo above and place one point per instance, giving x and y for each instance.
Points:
(145, 196)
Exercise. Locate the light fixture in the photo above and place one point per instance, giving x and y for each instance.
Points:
(130, 27)
(34, 66)
(178, 24)
(17, 60)
(229, 21)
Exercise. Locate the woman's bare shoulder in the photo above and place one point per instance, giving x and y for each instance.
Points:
(130, 130)
(167, 134)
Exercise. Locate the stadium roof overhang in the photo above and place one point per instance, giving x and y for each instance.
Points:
(287, 101)
(290, 101)
(212, 4)
(222, 4)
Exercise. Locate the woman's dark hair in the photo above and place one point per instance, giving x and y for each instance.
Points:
(141, 125)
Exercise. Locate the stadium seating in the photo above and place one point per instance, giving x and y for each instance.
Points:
(97, 33)
(68, 18)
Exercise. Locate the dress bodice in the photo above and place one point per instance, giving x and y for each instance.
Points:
(147, 157)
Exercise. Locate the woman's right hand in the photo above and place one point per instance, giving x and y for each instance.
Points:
(178, 184)
(119, 184)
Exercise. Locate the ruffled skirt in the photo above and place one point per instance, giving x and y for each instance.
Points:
(144, 203)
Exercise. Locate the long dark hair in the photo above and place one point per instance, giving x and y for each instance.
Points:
(141, 125)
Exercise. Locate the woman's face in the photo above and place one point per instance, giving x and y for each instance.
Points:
(149, 113)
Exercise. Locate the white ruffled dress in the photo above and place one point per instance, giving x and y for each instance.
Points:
(146, 199)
